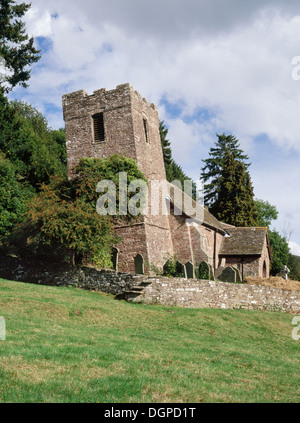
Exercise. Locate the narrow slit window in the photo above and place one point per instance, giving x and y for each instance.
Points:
(146, 130)
(99, 133)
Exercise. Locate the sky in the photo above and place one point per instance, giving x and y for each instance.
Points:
(210, 66)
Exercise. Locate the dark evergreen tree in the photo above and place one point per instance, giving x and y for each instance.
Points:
(235, 202)
(166, 145)
(174, 172)
(16, 48)
(213, 166)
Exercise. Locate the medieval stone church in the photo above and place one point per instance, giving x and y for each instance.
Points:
(121, 122)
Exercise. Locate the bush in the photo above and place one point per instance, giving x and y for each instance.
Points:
(13, 197)
(62, 217)
(173, 268)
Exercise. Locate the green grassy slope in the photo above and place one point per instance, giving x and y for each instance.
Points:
(68, 345)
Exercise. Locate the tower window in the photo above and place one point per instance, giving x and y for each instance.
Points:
(146, 130)
(99, 134)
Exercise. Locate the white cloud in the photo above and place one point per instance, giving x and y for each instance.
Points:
(295, 248)
(39, 23)
(233, 58)
(246, 73)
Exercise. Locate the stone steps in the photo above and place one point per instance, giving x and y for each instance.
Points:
(136, 291)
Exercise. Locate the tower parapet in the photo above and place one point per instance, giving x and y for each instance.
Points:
(118, 121)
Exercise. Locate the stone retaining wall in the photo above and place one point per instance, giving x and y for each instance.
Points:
(180, 292)
(209, 294)
(58, 274)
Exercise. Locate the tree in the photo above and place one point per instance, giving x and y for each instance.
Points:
(90, 171)
(72, 224)
(235, 203)
(174, 172)
(16, 47)
(13, 197)
(27, 141)
(62, 219)
(166, 145)
(279, 244)
(266, 213)
(30, 153)
(211, 172)
(280, 252)
(294, 266)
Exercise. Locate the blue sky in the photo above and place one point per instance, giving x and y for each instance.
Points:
(210, 67)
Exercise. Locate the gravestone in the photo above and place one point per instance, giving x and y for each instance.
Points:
(180, 270)
(211, 273)
(190, 272)
(238, 277)
(219, 271)
(204, 271)
(115, 258)
(228, 275)
(139, 265)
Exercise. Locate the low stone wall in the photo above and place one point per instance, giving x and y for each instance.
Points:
(180, 292)
(208, 294)
(58, 274)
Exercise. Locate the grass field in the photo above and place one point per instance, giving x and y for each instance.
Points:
(67, 345)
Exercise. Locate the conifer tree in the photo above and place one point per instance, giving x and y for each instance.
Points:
(166, 145)
(16, 48)
(173, 170)
(213, 166)
(235, 203)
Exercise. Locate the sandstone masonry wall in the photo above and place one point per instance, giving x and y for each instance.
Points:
(179, 292)
(57, 274)
(209, 294)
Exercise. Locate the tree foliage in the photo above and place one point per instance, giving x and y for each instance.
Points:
(13, 197)
(16, 47)
(266, 213)
(211, 172)
(280, 252)
(173, 268)
(31, 153)
(90, 171)
(62, 217)
(73, 225)
(235, 203)
(36, 150)
(174, 172)
(294, 266)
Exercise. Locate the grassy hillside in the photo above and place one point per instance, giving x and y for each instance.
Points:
(68, 345)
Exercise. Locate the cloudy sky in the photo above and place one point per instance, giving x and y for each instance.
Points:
(210, 66)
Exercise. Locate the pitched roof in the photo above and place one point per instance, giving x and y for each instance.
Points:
(244, 241)
(193, 209)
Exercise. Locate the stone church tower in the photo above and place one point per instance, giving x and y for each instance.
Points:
(121, 122)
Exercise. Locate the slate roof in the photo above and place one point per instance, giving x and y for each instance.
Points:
(193, 209)
(244, 241)
(240, 242)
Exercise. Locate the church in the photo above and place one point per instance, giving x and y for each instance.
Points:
(121, 121)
